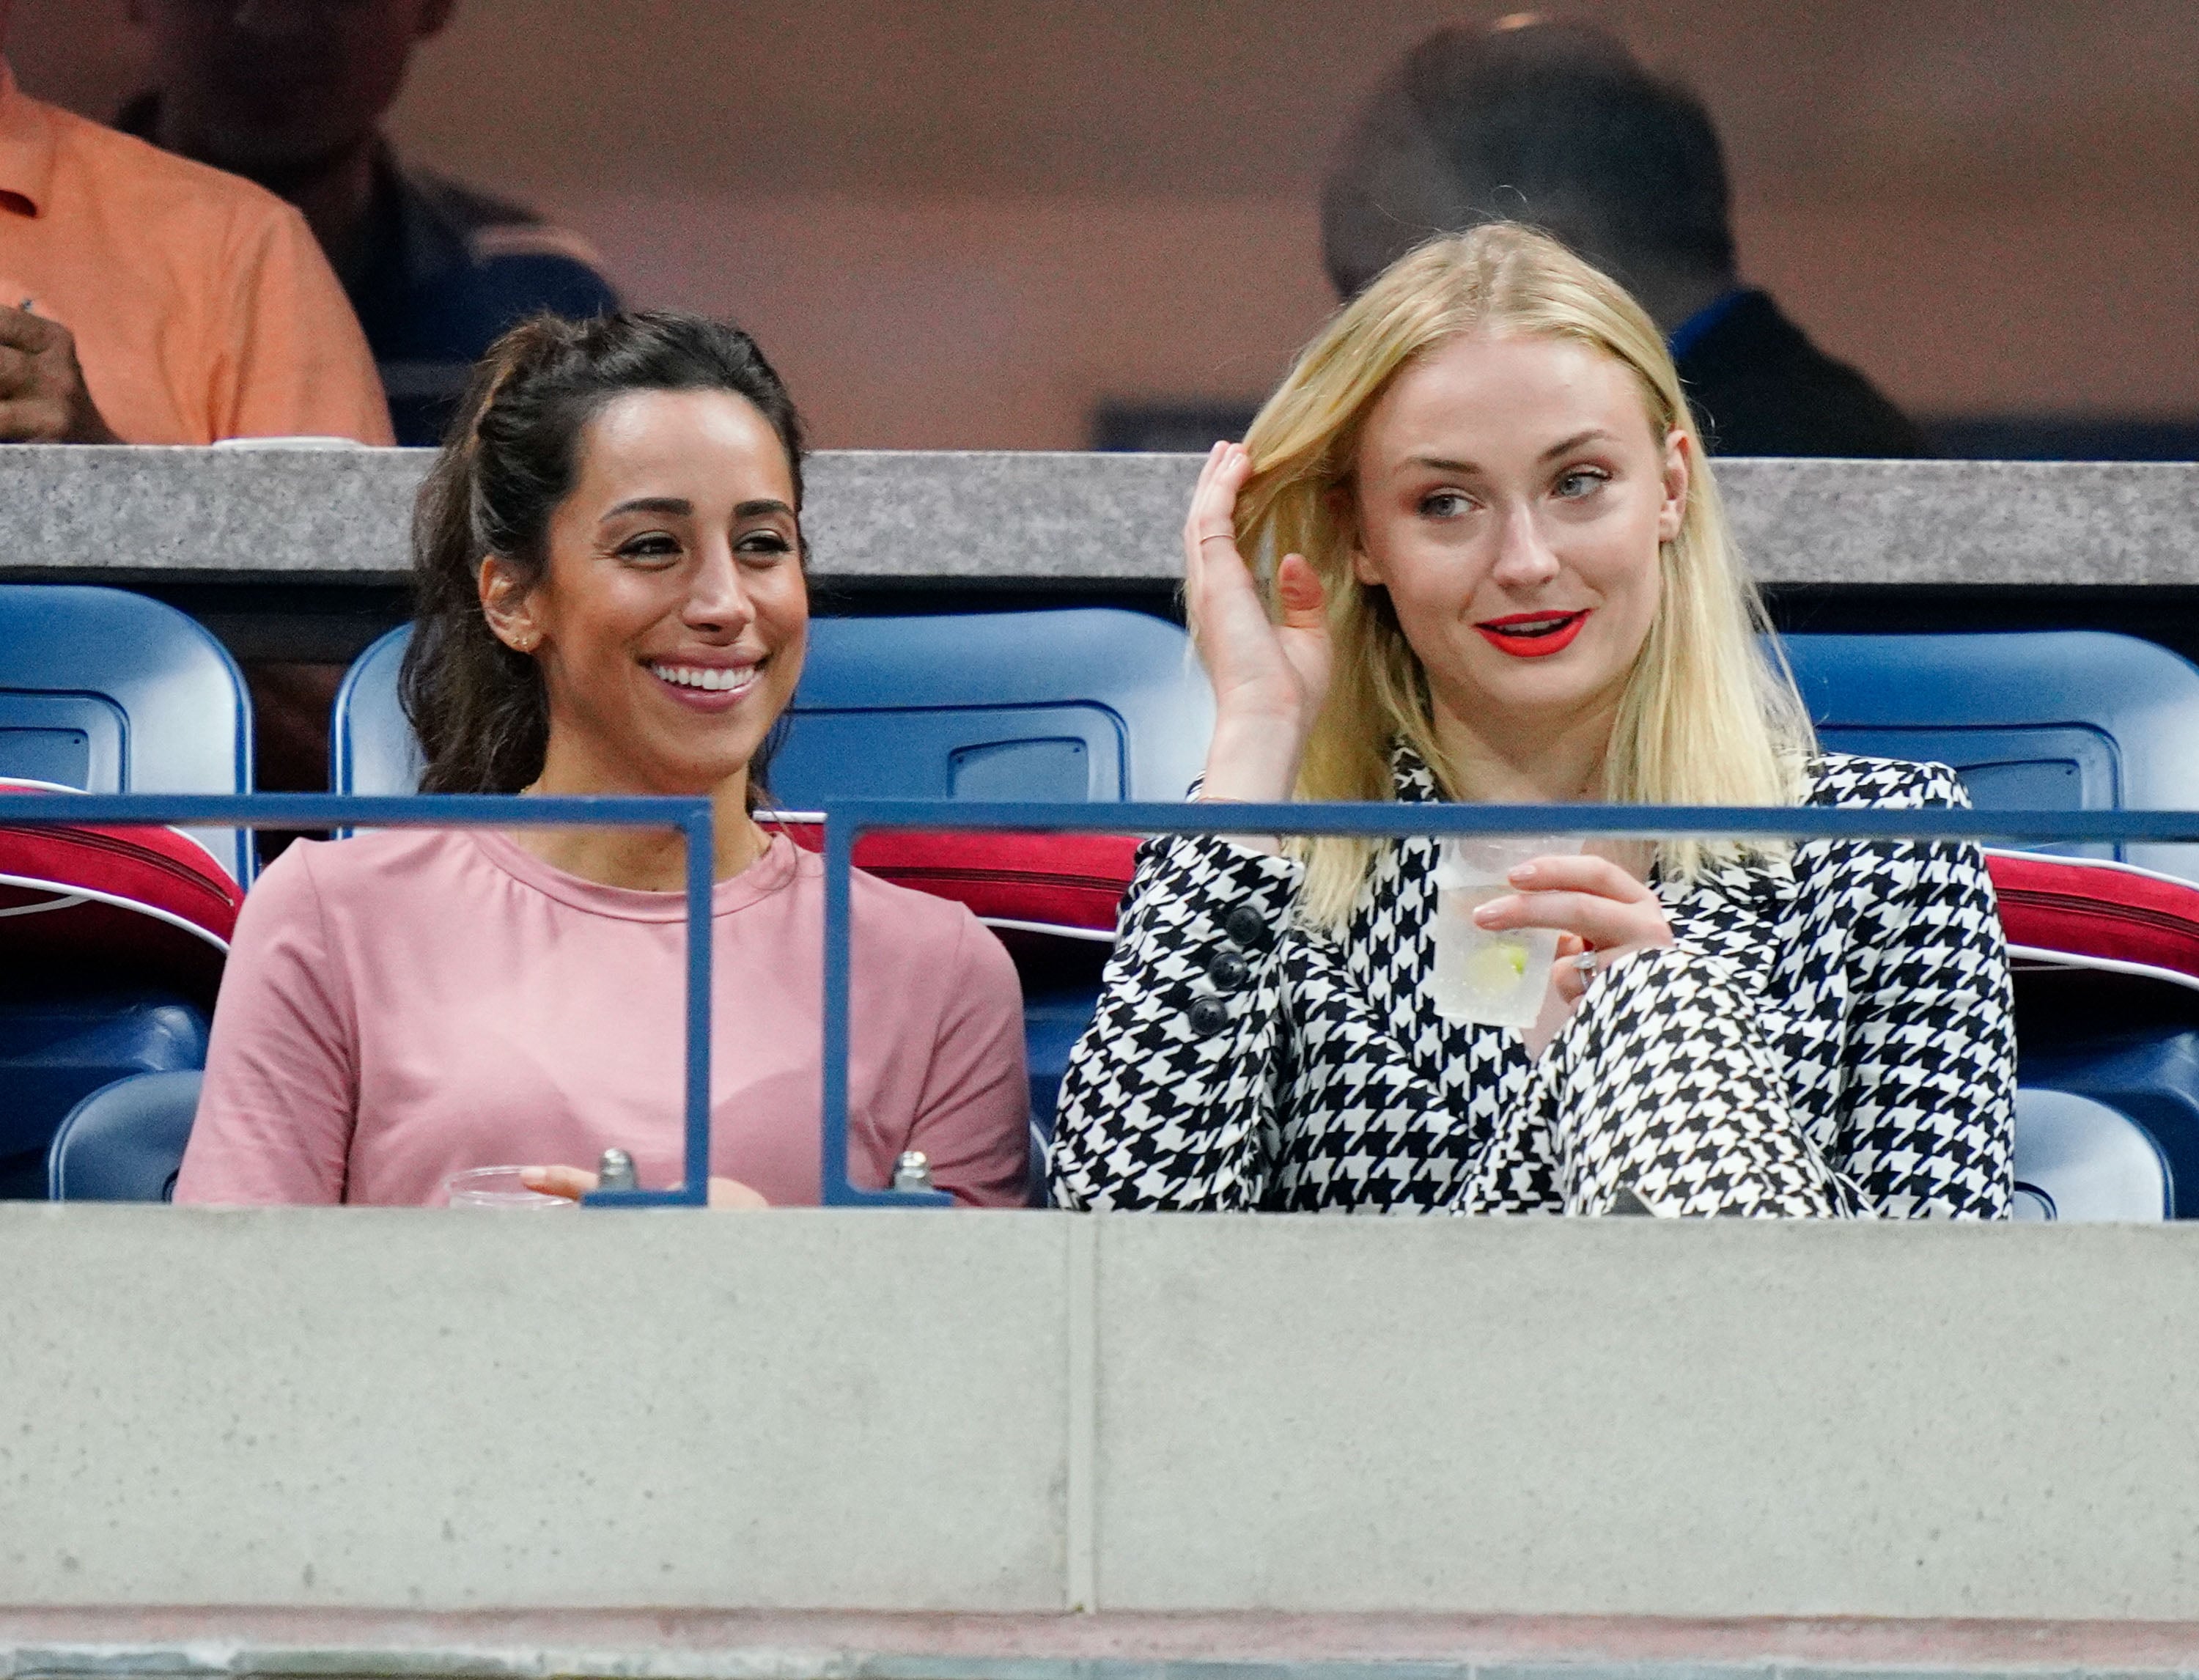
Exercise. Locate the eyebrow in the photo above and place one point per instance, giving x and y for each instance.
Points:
(670, 505)
(681, 507)
(1564, 446)
(1568, 445)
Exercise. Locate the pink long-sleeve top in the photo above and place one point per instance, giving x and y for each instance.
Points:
(403, 1005)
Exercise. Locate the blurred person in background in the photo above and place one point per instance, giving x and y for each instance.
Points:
(1557, 125)
(144, 298)
(291, 94)
(613, 600)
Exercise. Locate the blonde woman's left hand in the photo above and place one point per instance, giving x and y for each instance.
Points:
(1596, 906)
(574, 1182)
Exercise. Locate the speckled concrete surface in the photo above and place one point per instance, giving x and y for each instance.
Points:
(1037, 517)
(1017, 1413)
(212, 511)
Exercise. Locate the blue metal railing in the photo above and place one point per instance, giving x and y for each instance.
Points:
(691, 817)
(849, 819)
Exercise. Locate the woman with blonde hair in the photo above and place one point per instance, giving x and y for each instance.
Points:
(1494, 567)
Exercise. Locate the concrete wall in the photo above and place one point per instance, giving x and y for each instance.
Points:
(1034, 1413)
(959, 223)
(326, 516)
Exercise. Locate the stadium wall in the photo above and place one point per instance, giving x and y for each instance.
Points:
(1037, 1414)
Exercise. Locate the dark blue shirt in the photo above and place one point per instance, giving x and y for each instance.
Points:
(448, 269)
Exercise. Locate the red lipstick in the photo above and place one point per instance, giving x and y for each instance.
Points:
(1533, 635)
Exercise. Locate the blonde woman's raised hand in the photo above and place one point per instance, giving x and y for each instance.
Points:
(1269, 678)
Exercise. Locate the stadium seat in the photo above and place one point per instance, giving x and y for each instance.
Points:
(2064, 719)
(2081, 1160)
(372, 748)
(115, 693)
(110, 692)
(2148, 1074)
(125, 1143)
(1082, 703)
(54, 1053)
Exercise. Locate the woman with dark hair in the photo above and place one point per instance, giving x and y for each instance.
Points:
(610, 569)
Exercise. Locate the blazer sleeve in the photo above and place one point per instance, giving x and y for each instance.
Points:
(1929, 1130)
(1168, 1095)
(1234, 1065)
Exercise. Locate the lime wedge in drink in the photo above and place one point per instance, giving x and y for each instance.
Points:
(1495, 968)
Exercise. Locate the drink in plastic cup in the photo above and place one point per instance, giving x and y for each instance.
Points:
(1491, 978)
(498, 1187)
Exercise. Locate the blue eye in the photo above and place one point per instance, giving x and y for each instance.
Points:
(1581, 482)
(1443, 505)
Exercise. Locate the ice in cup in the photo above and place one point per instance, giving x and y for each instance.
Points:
(1491, 978)
(498, 1187)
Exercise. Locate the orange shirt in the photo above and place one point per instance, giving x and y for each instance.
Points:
(200, 306)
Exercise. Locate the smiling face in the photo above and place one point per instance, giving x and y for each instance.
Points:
(671, 616)
(1511, 494)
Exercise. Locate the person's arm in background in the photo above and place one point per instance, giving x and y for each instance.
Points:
(973, 1112)
(296, 363)
(43, 395)
(276, 1113)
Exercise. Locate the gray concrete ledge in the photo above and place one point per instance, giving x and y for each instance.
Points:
(675, 1646)
(1019, 1414)
(1034, 517)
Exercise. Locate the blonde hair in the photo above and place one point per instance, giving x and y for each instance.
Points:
(1705, 719)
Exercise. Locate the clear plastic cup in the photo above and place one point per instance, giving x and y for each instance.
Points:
(498, 1187)
(1490, 978)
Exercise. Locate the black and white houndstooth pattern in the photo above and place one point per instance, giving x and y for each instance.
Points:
(1830, 1035)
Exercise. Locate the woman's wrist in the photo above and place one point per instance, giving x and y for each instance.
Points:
(1271, 845)
(1247, 762)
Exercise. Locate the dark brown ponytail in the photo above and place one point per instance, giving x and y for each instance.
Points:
(509, 459)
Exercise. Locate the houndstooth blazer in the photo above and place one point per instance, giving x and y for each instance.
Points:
(1239, 1061)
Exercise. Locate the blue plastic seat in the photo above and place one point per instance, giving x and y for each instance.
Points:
(2078, 1160)
(111, 692)
(371, 746)
(1081, 704)
(2061, 720)
(1086, 702)
(2066, 720)
(115, 693)
(125, 1143)
(2150, 1074)
(53, 1053)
